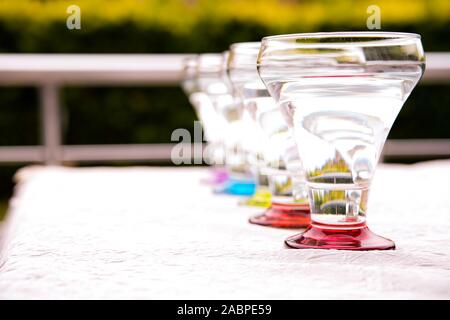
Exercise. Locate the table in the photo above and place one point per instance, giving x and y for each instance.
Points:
(158, 233)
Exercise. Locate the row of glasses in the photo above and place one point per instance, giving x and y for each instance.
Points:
(276, 155)
(206, 83)
(220, 114)
(321, 106)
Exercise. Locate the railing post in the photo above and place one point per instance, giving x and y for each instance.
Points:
(51, 123)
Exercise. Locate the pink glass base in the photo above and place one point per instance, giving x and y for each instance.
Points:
(325, 237)
(284, 216)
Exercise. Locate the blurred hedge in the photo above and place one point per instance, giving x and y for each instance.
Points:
(146, 115)
(201, 25)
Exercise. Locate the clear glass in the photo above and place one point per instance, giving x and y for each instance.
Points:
(251, 138)
(274, 151)
(341, 93)
(225, 122)
(211, 122)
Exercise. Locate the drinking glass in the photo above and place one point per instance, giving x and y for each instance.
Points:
(274, 152)
(341, 93)
(252, 141)
(213, 82)
(211, 122)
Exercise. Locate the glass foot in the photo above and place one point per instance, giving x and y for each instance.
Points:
(284, 216)
(237, 187)
(217, 176)
(325, 237)
(261, 198)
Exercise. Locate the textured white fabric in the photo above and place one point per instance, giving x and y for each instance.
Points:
(158, 233)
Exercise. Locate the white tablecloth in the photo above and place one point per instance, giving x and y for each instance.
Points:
(158, 233)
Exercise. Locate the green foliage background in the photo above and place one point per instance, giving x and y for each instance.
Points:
(149, 114)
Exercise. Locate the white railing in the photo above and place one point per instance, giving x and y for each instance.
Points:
(51, 72)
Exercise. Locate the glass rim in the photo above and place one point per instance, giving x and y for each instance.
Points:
(189, 67)
(209, 63)
(190, 60)
(243, 55)
(382, 38)
(208, 56)
(245, 45)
